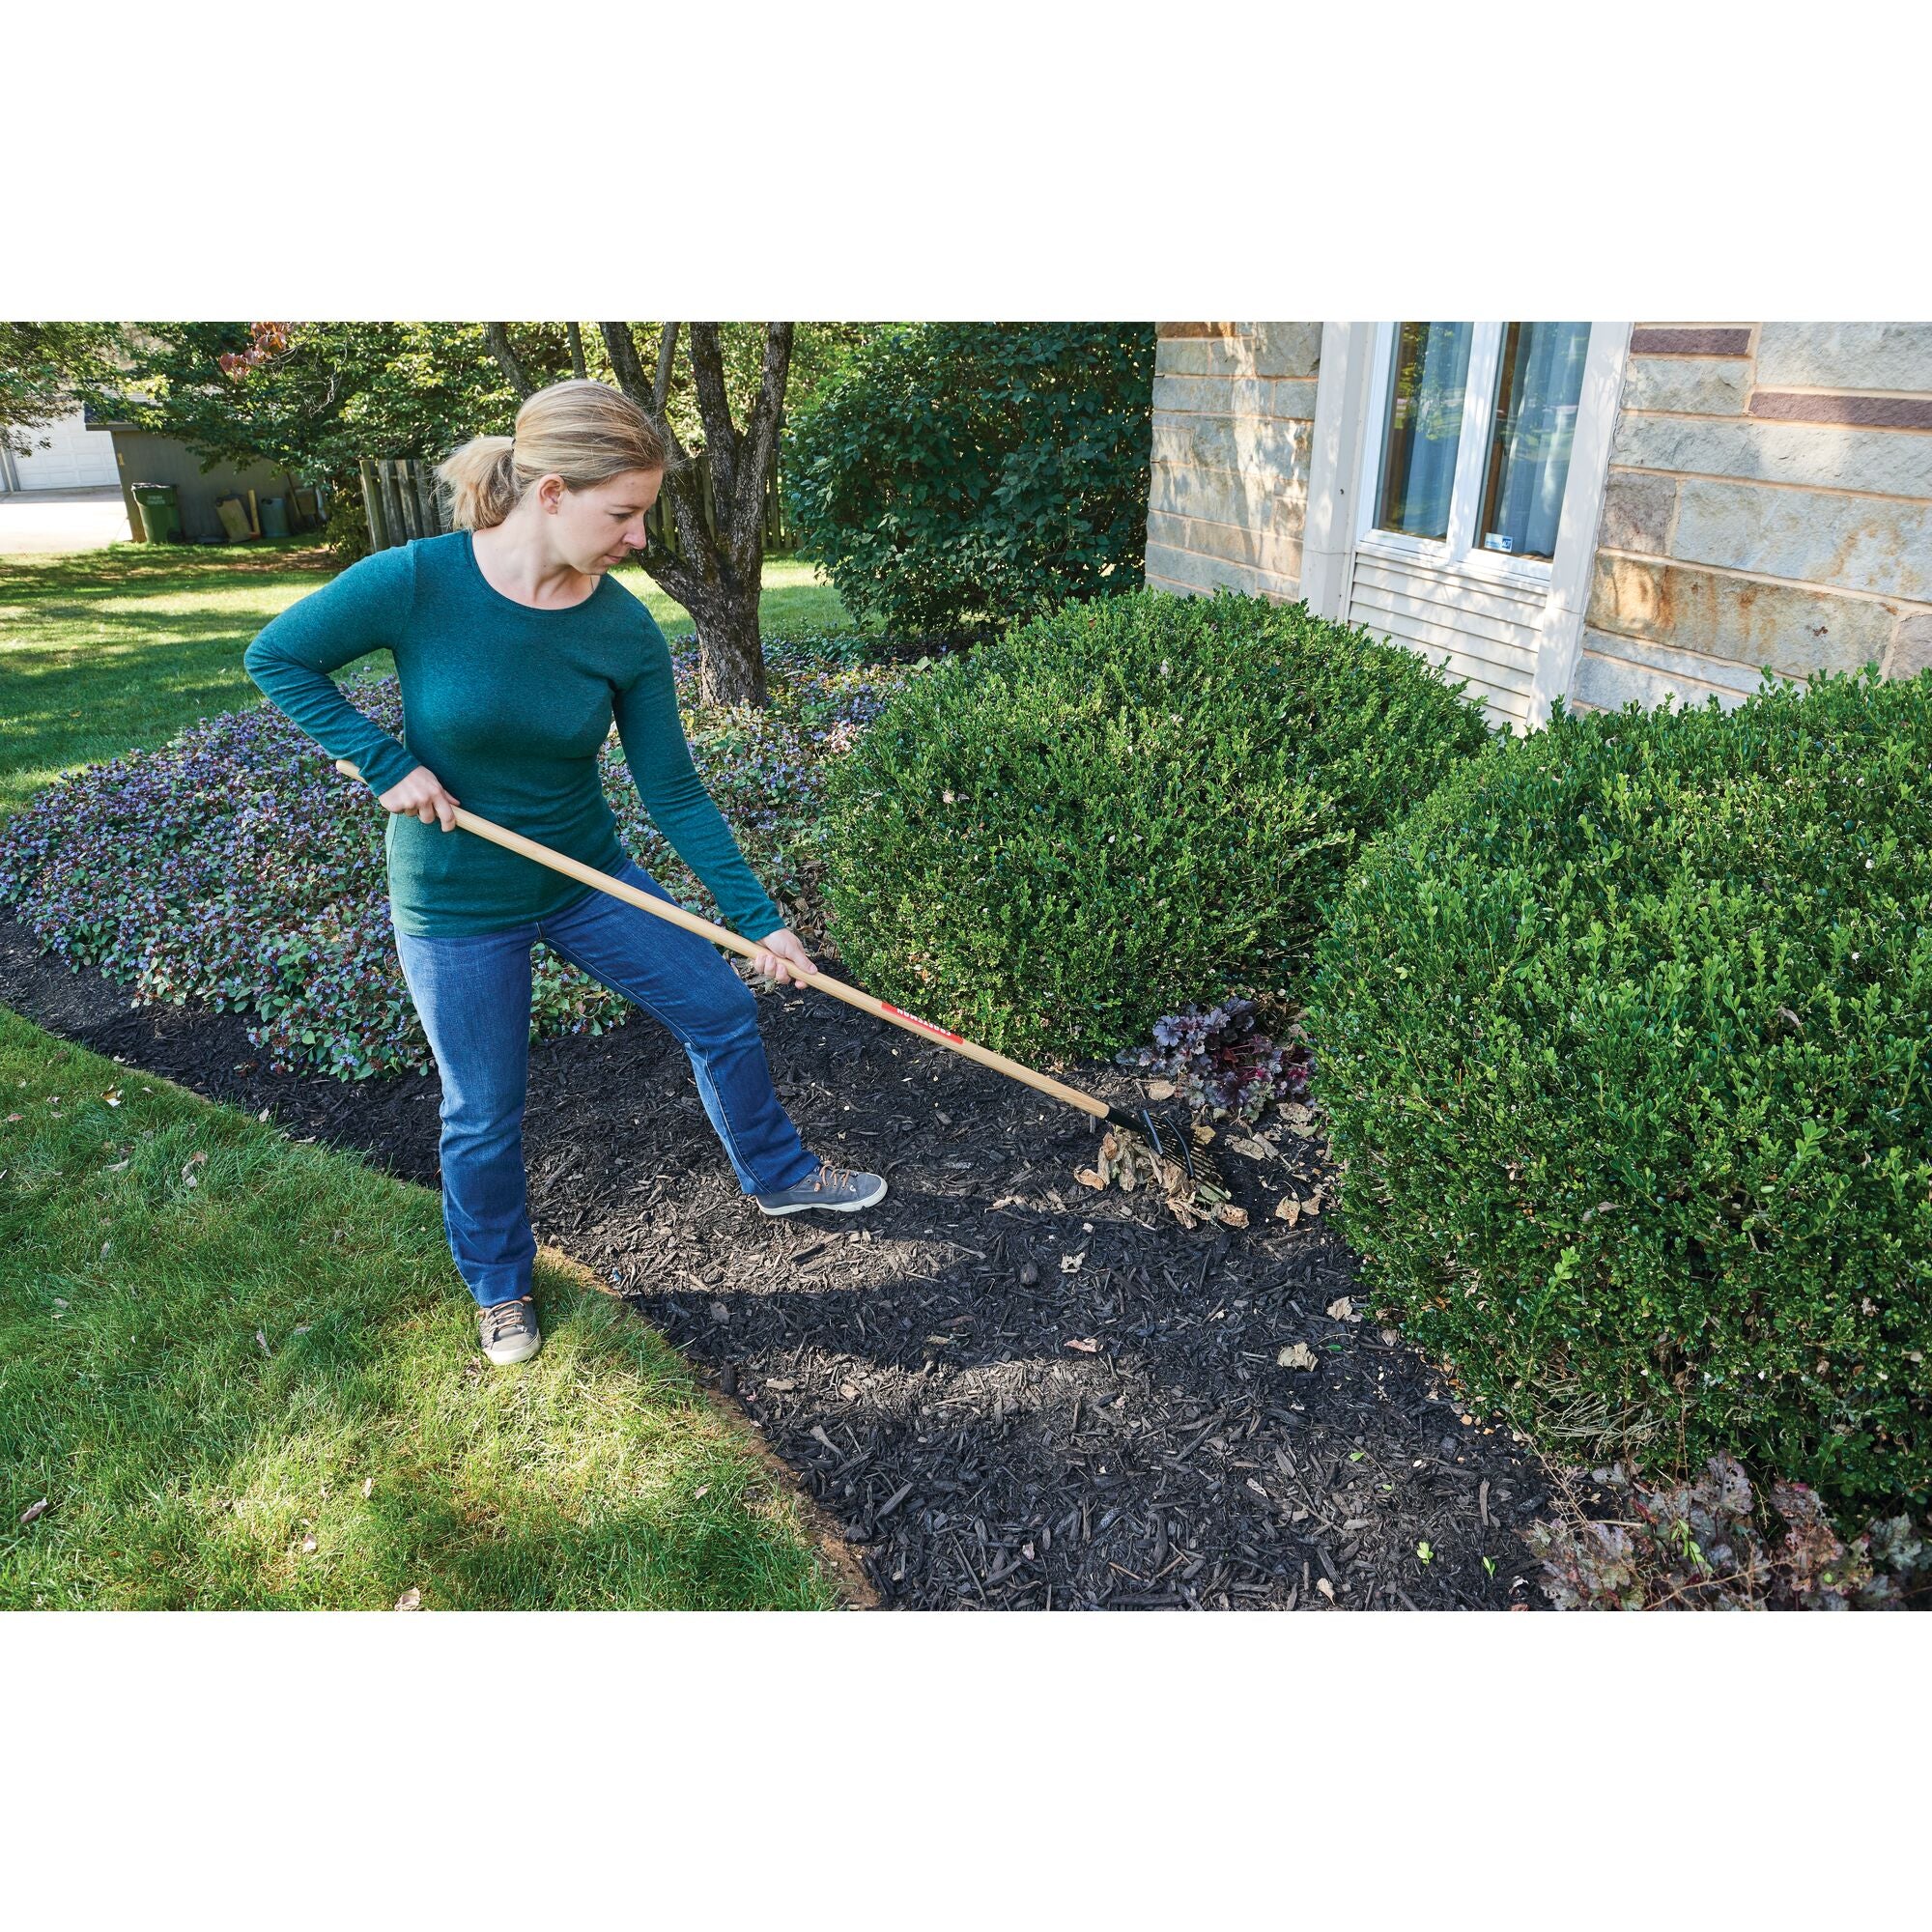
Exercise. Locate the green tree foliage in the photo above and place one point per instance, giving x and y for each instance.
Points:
(961, 475)
(344, 391)
(46, 368)
(340, 391)
(1623, 1040)
(1134, 804)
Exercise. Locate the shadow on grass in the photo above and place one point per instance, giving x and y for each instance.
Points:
(242, 1373)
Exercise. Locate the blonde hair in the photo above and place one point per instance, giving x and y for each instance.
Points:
(582, 431)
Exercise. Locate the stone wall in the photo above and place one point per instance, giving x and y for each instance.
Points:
(1234, 417)
(1768, 505)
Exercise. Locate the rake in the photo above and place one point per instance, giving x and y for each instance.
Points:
(1167, 1141)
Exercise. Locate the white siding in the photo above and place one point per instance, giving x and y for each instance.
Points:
(1487, 632)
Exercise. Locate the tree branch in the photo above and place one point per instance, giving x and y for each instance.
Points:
(675, 577)
(713, 408)
(761, 432)
(498, 335)
(630, 372)
(661, 389)
(575, 335)
(622, 346)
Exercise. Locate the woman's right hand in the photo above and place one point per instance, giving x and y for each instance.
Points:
(421, 793)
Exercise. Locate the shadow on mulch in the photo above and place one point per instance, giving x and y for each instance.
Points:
(921, 1388)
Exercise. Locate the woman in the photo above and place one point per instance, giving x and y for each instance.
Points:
(516, 653)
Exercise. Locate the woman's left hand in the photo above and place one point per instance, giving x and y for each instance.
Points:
(781, 957)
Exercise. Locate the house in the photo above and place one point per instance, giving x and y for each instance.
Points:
(1597, 511)
(65, 454)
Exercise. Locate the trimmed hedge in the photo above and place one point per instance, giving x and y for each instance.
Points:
(1624, 1039)
(1125, 807)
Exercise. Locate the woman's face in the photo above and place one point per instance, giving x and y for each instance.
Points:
(603, 523)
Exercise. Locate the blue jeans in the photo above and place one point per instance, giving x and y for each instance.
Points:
(472, 991)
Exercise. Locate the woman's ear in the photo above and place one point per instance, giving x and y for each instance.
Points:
(549, 493)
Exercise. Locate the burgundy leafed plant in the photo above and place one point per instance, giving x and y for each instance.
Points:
(1221, 1062)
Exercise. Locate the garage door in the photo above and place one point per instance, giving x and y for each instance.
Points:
(76, 457)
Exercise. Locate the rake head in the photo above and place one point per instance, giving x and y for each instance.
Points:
(1168, 1141)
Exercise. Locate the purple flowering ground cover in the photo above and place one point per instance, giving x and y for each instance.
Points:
(236, 867)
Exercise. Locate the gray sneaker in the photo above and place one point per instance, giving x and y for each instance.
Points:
(509, 1331)
(842, 1188)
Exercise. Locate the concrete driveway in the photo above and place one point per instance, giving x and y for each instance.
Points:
(62, 519)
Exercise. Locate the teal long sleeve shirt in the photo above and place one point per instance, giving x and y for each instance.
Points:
(508, 706)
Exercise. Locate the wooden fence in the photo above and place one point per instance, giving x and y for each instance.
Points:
(401, 501)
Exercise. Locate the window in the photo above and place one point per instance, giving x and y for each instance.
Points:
(1541, 378)
(1478, 422)
(1425, 425)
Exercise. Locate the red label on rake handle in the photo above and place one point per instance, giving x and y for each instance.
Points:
(924, 1026)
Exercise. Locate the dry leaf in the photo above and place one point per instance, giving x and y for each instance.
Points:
(308, 1545)
(34, 1511)
(702, 1489)
(112, 1096)
(1297, 1356)
(782, 1383)
(1341, 1309)
(409, 1600)
(1235, 1217)
(1071, 1263)
(1254, 1150)
(1288, 1209)
(1326, 1588)
(1087, 1177)
(1296, 1113)
(1085, 1343)
(1160, 1089)
(368, 1487)
(261, 1341)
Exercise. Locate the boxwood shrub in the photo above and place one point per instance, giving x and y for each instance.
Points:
(1625, 1039)
(1123, 807)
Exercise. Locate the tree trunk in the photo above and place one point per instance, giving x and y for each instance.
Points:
(730, 653)
(716, 576)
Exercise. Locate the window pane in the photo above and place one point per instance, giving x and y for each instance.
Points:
(1427, 379)
(1541, 379)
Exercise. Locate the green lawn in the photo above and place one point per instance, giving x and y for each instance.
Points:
(104, 650)
(219, 1346)
(144, 1245)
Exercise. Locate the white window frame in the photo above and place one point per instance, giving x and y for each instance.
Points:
(1457, 550)
(1346, 457)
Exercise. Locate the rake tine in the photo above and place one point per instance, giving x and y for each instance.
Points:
(1167, 1141)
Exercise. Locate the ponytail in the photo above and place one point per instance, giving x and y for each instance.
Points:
(582, 431)
(481, 479)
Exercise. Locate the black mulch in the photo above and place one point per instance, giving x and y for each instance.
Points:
(911, 1364)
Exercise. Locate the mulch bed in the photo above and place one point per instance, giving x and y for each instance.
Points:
(913, 1364)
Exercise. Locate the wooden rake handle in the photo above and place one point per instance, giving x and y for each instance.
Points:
(617, 888)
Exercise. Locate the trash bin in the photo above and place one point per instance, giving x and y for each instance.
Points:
(161, 518)
(274, 516)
